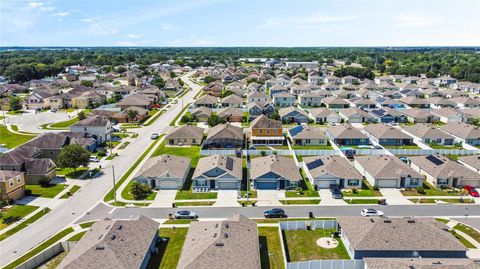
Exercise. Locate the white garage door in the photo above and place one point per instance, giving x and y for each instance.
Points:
(387, 183)
(227, 185)
(474, 183)
(168, 185)
(325, 184)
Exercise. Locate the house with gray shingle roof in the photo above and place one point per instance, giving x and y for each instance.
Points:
(447, 115)
(347, 135)
(420, 263)
(324, 115)
(218, 172)
(164, 172)
(226, 136)
(442, 171)
(470, 133)
(471, 161)
(274, 172)
(304, 135)
(231, 243)
(398, 238)
(284, 100)
(185, 135)
(356, 115)
(430, 134)
(293, 114)
(387, 135)
(114, 244)
(334, 102)
(323, 171)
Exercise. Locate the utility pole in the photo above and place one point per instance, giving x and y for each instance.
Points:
(114, 188)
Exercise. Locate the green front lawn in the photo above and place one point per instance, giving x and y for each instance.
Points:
(189, 195)
(435, 146)
(186, 151)
(365, 191)
(49, 191)
(77, 237)
(71, 173)
(271, 255)
(71, 192)
(301, 246)
(179, 221)
(15, 213)
(87, 224)
(24, 224)
(169, 251)
(361, 201)
(153, 117)
(172, 123)
(126, 194)
(307, 189)
(300, 202)
(64, 124)
(277, 220)
(434, 201)
(430, 190)
(20, 112)
(12, 140)
(469, 231)
(462, 239)
(202, 203)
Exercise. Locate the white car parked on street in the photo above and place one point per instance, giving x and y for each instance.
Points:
(370, 212)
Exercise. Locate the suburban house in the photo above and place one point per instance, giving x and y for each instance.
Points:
(392, 94)
(387, 115)
(202, 113)
(274, 172)
(98, 126)
(12, 185)
(29, 161)
(392, 238)
(231, 114)
(440, 102)
(471, 161)
(332, 79)
(365, 104)
(356, 115)
(232, 101)
(214, 89)
(312, 99)
(447, 115)
(257, 96)
(471, 114)
(123, 116)
(138, 100)
(444, 81)
(218, 172)
(112, 244)
(300, 89)
(392, 103)
(469, 133)
(50, 144)
(385, 171)
(164, 172)
(347, 135)
(224, 136)
(330, 87)
(232, 243)
(416, 115)
(466, 102)
(387, 135)
(415, 102)
(349, 80)
(324, 115)
(334, 102)
(278, 89)
(284, 100)
(429, 134)
(304, 135)
(36, 100)
(185, 135)
(256, 109)
(266, 131)
(206, 101)
(327, 170)
(441, 171)
(409, 263)
(293, 114)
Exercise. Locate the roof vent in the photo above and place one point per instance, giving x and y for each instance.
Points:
(219, 244)
(216, 225)
(99, 247)
(225, 235)
(113, 237)
(214, 235)
(120, 227)
(387, 221)
(411, 221)
(226, 225)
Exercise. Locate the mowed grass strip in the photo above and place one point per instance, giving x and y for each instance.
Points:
(12, 140)
(24, 224)
(271, 255)
(168, 251)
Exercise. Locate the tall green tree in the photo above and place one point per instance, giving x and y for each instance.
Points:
(15, 103)
(73, 156)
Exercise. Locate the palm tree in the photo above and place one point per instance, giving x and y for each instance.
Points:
(132, 114)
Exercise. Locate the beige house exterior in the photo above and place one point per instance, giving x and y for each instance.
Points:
(12, 185)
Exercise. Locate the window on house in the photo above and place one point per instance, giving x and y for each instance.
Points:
(194, 140)
(442, 181)
(414, 181)
(352, 182)
(307, 141)
(19, 178)
(10, 181)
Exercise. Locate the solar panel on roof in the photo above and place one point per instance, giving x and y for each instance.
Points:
(314, 164)
(296, 130)
(229, 164)
(434, 160)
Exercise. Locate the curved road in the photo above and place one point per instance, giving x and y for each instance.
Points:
(93, 192)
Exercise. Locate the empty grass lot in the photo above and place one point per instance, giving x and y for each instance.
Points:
(48, 191)
(12, 140)
(301, 246)
(15, 213)
(168, 251)
(365, 191)
(271, 255)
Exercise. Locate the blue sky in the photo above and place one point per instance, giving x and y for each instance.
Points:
(240, 23)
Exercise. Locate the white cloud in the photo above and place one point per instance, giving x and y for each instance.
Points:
(133, 36)
(62, 14)
(36, 4)
(169, 27)
(314, 20)
(87, 20)
(126, 43)
(203, 42)
(412, 20)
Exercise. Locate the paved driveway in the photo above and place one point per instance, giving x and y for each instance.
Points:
(227, 198)
(164, 198)
(393, 196)
(268, 198)
(327, 199)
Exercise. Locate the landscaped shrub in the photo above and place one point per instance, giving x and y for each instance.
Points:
(420, 190)
(101, 153)
(354, 190)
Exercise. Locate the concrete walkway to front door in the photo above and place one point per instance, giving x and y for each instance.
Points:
(393, 196)
(227, 198)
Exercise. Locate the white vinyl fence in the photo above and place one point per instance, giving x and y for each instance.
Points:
(302, 225)
(327, 264)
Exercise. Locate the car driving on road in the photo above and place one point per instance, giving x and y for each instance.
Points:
(185, 215)
(275, 213)
(370, 212)
(154, 136)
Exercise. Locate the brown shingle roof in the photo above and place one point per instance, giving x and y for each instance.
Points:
(385, 131)
(93, 121)
(386, 167)
(263, 122)
(440, 166)
(280, 165)
(346, 131)
(228, 164)
(333, 165)
(166, 166)
(462, 130)
(186, 131)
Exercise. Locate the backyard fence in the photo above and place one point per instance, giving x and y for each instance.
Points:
(46, 255)
(327, 264)
(433, 151)
(302, 225)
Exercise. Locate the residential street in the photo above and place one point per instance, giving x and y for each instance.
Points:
(94, 191)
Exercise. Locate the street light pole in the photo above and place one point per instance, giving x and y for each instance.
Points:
(114, 188)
